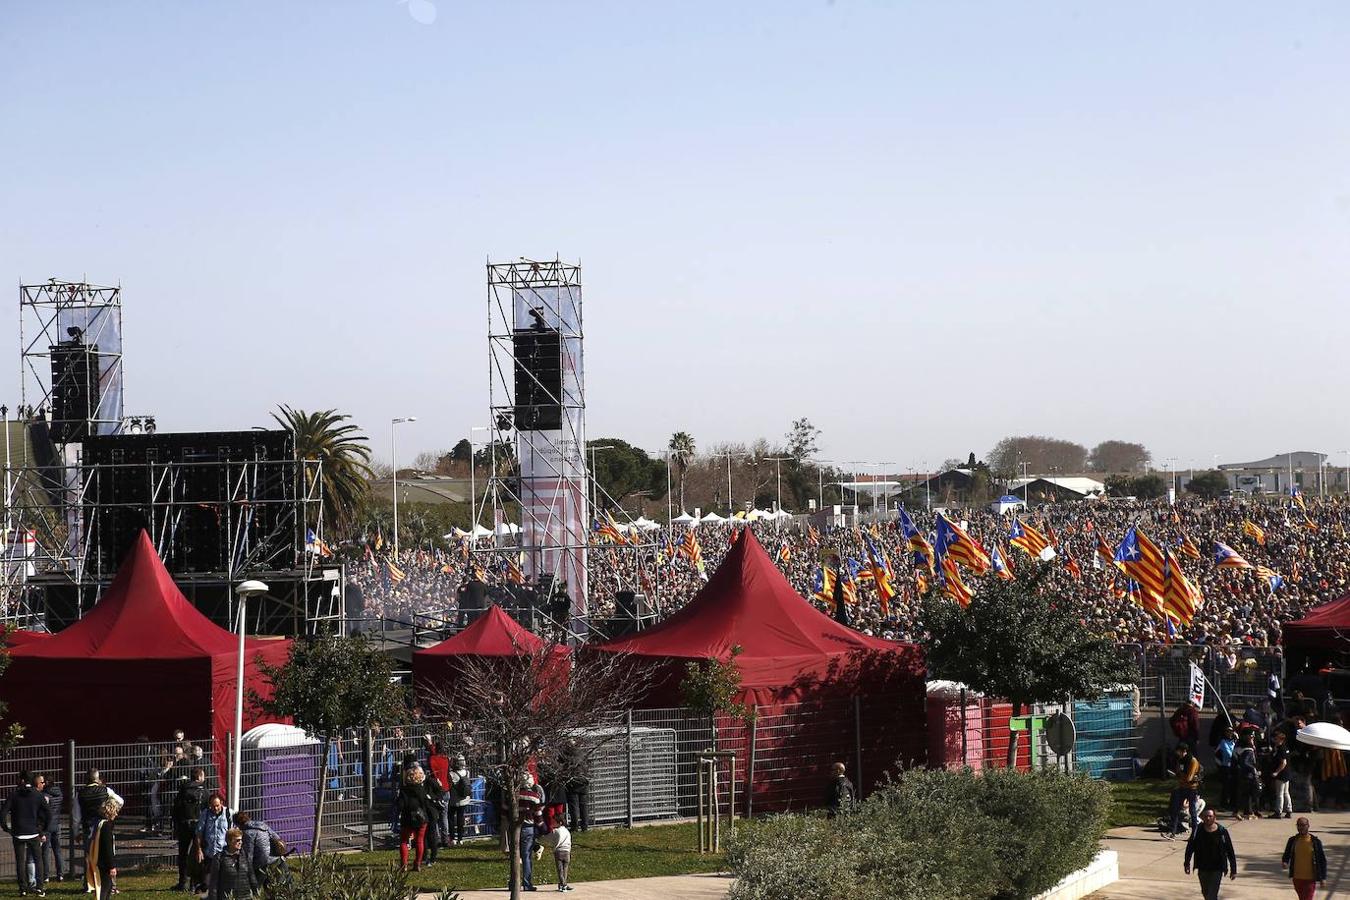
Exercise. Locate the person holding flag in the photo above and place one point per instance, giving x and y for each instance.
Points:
(952, 541)
(921, 550)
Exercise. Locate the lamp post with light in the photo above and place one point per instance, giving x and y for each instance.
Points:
(245, 590)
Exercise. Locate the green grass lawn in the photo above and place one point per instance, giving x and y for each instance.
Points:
(597, 855)
(1141, 801)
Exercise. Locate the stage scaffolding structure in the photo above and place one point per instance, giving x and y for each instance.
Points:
(540, 479)
(62, 516)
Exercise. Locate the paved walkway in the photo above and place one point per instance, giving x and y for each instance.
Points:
(673, 887)
(1151, 868)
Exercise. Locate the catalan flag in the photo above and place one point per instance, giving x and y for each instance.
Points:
(954, 542)
(1001, 568)
(921, 550)
(1180, 598)
(691, 551)
(1225, 557)
(812, 536)
(952, 585)
(1273, 578)
(1107, 554)
(1296, 498)
(882, 576)
(827, 577)
(1143, 562)
(395, 573)
(1071, 565)
(1026, 538)
(511, 572)
(1186, 547)
(1253, 531)
(785, 552)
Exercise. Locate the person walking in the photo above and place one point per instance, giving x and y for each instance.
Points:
(100, 854)
(461, 796)
(1187, 791)
(839, 794)
(1280, 773)
(530, 807)
(1305, 859)
(212, 825)
(1247, 772)
(187, 811)
(51, 791)
(25, 817)
(438, 764)
(1210, 849)
(232, 876)
(1223, 755)
(414, 812)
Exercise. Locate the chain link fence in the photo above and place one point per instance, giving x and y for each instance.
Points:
(1237, 679)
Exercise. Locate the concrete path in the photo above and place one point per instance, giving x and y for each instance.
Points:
(673, 887)
(1151, 868)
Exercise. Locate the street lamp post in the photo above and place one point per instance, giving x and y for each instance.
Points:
(778, 475)
(245, 590)
(393, 455)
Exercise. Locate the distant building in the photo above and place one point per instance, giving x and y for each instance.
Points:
(1305, 468)
(1049, 489)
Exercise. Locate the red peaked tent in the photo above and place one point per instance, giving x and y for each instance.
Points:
(790, 651)
(143, 661)
(1325, 627)
(494, 634)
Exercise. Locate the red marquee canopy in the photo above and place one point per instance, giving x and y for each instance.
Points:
(143, 661)
(789, 650)
(1325, 627)
(494, 634)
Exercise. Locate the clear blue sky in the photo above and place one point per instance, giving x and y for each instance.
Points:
(922, 226)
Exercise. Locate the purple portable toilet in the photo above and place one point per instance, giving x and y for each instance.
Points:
(281, 781)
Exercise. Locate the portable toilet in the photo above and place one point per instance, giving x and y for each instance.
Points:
(280, 782)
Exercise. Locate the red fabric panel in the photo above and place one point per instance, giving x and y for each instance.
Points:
(224, 672)
(494, 633)
(107, 701)
(142, 615)
(1321, 629)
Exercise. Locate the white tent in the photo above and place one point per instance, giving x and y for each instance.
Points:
(683, 519)
(778, 514)
(1005, 503)
(712, 517)
(507, 528)
(455, 534)
(480, 531)
(646, 524)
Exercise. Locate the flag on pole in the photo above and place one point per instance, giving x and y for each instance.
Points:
(1187, 547)
(882, 576)
(1026, 538)
(1143, 562)
(952, 541)
(921, 550)
(1253, 531)
(952, 585)
(1180, 598)
(1001, 568)
(1225, 557)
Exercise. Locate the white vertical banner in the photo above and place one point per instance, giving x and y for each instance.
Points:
(1197, 693)
(555, 520)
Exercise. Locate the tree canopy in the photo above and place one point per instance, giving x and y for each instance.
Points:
(1041, 455)
(1119, 456)
(344, 457)
(1021, 641)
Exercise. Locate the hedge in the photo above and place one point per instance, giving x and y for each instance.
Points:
(998, 835)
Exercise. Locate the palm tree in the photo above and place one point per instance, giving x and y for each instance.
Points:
(343, 457)
(681, 451)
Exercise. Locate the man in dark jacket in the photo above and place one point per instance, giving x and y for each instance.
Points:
(1211, 850)
(89, 801)
(187, 808)
(257, 845)
(52, 791)
(24, 816)
(1186, 724)
(1306, 860)
(838, 792)
(577, 771)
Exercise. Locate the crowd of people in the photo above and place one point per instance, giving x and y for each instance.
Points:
(1306, 548)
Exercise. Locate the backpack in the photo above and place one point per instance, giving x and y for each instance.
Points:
(460, 788)
(187, 805)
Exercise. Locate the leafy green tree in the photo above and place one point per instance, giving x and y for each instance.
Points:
(682, 450)
(710, 687)
(1022, 641)
(462, 451)
(1041, 455)
(1208, 484)
(330, 684)
(622, 470)
(803, 439)
(344, 457)
(1119, 456)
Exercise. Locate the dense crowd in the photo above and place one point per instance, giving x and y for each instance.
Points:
(1308, 549)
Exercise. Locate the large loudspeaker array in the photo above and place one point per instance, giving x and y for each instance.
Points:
(192, 500)
(538, 379)
(75, 376)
